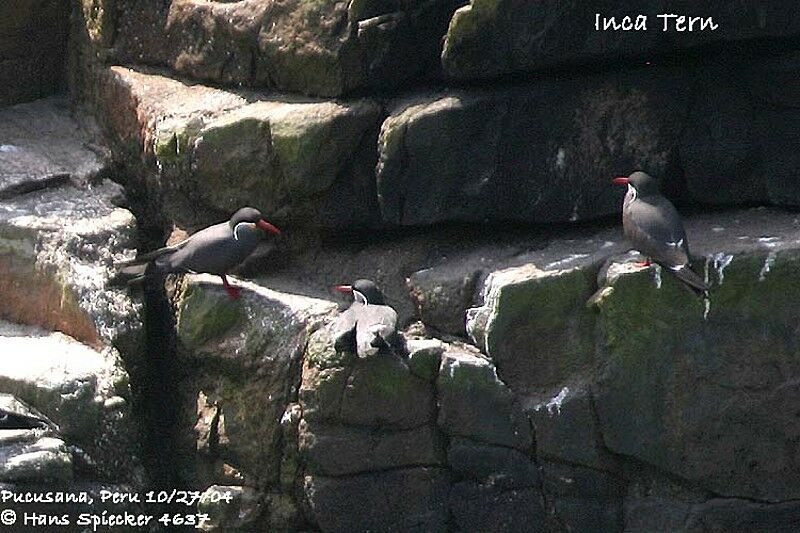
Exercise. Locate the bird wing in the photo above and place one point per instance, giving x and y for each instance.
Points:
(212, 250)
(376, 326)
(149, 256)
(343, 330)
(654, 228)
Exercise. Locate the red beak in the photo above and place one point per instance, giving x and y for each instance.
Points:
(348, 289)
(267, 227)
(620, 180)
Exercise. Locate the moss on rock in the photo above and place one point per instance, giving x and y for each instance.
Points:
(204, 315)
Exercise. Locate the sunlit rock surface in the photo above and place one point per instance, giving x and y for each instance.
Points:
(652, 372)
(83, 391)
(294, 158)
(65, 328)
(41, 146)
(240, 364)
(60, 240)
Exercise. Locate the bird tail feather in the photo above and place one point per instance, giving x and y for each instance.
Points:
(133, 274)
(690, 278)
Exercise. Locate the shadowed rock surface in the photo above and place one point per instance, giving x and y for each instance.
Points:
(33, 45)
(488, 38)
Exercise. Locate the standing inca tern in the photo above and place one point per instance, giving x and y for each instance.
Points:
(214, 250)
(653, 226)
(368, 325)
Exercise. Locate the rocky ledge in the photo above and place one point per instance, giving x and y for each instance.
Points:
(65, 328)
(526, 152)
(534, 427)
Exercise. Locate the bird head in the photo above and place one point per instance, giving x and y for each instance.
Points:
(364, 291)
(252, 218)
(642, 182)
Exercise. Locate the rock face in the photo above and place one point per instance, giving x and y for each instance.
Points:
(291, 158)
(712, 385)
(65, 327)
(698, 377)
(493, 37)
(525, 152)
(547, 382)
(60, 241)
(535, 152)
(324, 48)
(33, 39)
(240, 363)
(385, 421)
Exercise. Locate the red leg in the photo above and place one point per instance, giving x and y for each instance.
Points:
(646, 263)
(234, 293)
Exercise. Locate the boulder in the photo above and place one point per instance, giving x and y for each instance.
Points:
(528, 153)
(497, 153)
(490, 38)
(292, 158)
(239, 361)
(395, 500)
(424, 357)
(441, 296)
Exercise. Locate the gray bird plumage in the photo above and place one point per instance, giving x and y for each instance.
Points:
(653, 226)
(368, 326)
(216, 250)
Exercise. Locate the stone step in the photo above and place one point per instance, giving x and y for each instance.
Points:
(41, 146)
(61, 237)
(640, 374)
(208, 151)
(528, 153)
